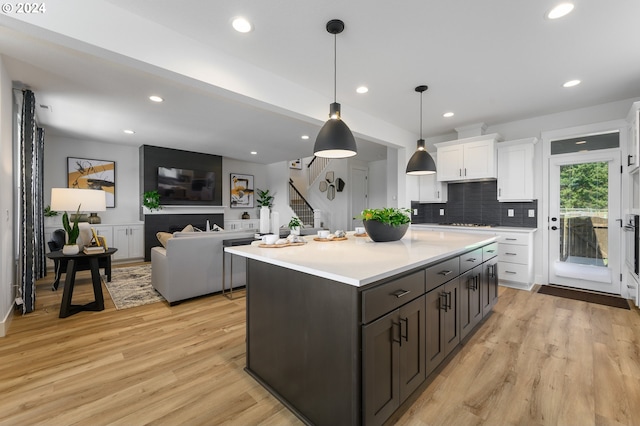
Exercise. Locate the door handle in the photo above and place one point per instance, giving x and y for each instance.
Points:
(443, 304)
(406, 330)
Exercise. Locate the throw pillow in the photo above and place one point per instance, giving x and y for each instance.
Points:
(217, 228)
(163, 237)
(188, 228)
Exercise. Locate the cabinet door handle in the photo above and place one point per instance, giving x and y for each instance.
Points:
(630, 160)
(471, 283)
(511, 254)
(510, 272)
(492, 271)
(465, 171)
(400, 293)
(471, 259)
(443, 304)
(460, 172)
(449, 300)
(444, 273)
(491, 251)
(511, 239)
(499, 192)
(406, 330)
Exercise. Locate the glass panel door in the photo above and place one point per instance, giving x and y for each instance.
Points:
(584, 234)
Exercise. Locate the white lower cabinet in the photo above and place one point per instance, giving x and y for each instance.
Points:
(515, 259)
(241, 224)
(129, 240)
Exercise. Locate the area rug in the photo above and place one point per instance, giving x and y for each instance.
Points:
(585, 296)
(131, 286)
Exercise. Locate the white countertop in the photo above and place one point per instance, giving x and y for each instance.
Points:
(473, 228)
(359, 261)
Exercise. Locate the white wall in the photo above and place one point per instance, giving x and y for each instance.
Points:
(377, 184)
(7, 295)
(127, 189)
(260, 180)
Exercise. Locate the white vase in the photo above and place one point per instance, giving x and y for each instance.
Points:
(70, 249)
(264, 220)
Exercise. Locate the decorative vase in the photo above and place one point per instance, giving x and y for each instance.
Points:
(70, 249)
(245, 215)
(295, 230)
(264, 220)
(381, 232)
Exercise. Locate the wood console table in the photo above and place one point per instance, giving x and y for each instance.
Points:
(66, 307)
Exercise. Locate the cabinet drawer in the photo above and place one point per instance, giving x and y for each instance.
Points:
(489, 251)
(513, 272)
(442, 272)
(470, 260)
(514, 239)
(387, 297)
(513, 253)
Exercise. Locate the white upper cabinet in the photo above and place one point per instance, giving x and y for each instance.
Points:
(431, 189)
(467, 159)
(515, 170)
(633, 141)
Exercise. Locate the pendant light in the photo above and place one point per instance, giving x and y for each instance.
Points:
(335, 139)
(421, 163)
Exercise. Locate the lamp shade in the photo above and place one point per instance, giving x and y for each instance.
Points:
(335, 140)
(69, 199)
(421, 162)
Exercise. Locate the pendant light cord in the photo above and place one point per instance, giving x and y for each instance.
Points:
(335, 66)
(421, 115)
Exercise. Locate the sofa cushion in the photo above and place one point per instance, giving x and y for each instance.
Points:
(188, 228)
(163, 237)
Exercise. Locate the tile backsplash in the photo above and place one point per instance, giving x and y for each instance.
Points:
(477, 203)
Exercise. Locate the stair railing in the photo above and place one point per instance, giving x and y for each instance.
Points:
(300, 205)
(315, 167)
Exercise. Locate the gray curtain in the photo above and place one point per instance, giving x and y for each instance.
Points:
(32, 244)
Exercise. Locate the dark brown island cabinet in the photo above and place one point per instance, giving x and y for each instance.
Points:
(339, 354)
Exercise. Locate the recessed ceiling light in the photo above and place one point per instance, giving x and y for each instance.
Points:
(560, 10)
(128, 131)
(447, 114)
(571, 83)
(305, 137)
(155, 98)
(241, 25)
(362, 89)
(254, 152)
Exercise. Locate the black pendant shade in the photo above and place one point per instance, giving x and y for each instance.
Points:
(421, 162)
(335, 140)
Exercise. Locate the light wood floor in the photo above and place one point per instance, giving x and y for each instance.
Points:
(538, 360)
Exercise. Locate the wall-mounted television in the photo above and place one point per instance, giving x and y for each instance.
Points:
(186, 186)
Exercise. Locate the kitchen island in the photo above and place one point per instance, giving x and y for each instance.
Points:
(342, 332)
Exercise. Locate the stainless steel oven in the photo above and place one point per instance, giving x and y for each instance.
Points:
(632, 241)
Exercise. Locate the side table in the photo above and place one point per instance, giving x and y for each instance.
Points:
(66, 307)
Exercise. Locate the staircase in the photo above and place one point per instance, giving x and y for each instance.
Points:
(299, 205)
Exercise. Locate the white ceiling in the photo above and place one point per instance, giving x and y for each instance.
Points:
(490, 61)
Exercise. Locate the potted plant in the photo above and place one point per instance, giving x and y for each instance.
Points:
(294, 225)
(386, 224)
(151, 200)
(265, 200)
(72, 233)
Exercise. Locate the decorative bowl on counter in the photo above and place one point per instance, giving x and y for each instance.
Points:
(382, 232)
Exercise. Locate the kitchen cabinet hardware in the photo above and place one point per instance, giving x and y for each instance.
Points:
(400, 293)
(406, 330)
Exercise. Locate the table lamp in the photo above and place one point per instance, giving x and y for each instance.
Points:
(69, 199)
